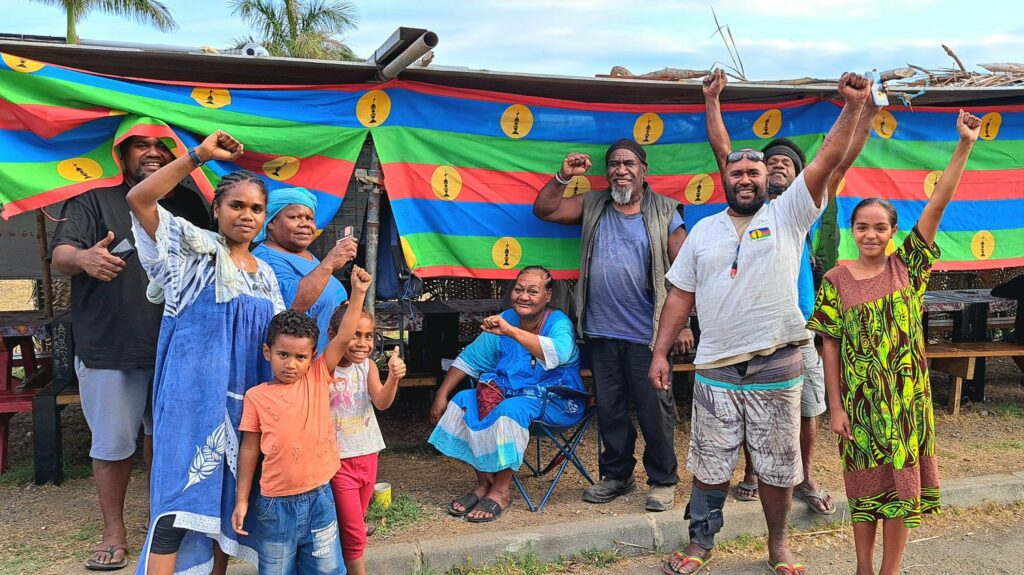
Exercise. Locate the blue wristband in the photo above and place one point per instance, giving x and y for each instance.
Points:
(195, 157)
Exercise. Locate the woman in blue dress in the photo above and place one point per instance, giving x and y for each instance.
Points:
(218, 300)
(307, 284)
(522, 352)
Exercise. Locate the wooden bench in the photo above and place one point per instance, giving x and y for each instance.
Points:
(958, 360)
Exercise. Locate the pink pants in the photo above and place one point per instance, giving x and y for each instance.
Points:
(353, 488)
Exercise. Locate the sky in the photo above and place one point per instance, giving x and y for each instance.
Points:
(784, 39)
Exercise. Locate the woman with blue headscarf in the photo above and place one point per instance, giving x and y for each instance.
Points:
(307, 284)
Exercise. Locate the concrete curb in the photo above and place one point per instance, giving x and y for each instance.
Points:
(643, 533)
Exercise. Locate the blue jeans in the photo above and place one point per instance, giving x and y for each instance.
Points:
(299, 534)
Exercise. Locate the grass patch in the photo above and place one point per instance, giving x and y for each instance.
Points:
(599, 558)
(521, 564)
(744, 542)
(88, 532)
(23, 473)
(528, 564)
(1007, 409)
(20, 558)
(1009, 444)
(403, 513)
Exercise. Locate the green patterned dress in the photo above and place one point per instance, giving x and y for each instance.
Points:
(889, 467)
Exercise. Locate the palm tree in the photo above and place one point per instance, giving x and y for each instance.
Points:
(142, 11)
(299, 28)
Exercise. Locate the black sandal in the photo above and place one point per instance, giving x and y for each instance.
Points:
(467, 501)
(488, 505)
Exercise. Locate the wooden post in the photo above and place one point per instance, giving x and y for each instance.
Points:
(44, 263)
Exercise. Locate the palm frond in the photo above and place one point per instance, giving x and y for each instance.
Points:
(150, 12)
(330, 16)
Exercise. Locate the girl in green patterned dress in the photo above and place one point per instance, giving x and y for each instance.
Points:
(876, 374)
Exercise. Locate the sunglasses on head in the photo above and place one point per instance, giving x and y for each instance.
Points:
(752, 155)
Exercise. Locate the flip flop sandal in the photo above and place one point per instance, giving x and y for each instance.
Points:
(467, 501)
(110, 550)
(751, 487)
(488, 505)
(809, 497)
(783, 568)
(700, 562)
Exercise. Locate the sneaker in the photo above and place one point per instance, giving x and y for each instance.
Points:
(607, 490)
(661, 497)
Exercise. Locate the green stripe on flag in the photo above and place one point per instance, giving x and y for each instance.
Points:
(475, 251)
(955, 246)
(422, 146)
(259, 133)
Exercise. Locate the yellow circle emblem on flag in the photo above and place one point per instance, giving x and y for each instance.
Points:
(841, 186)
(884, 124)
(80, 169)
(983, 245)
(281, 168)
(23, 65)
(768, 124)
(211, 97)
(930, 181)
(990, 124)
(516, 121)
(373, 108)
(699, 189)
(890, 247)
(410, 258)
(577, 185)
(506, 253)
(648, 128)
(446, 182)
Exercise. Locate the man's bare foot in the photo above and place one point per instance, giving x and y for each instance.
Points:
(690, 560)
(815, 497)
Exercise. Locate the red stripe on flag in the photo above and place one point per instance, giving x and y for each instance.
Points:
(320, 173)
(485, 273)
(909, 184)
(44, 199)
(412, 181)
(45, 121)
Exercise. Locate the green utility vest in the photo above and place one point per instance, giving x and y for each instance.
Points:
(657, 213)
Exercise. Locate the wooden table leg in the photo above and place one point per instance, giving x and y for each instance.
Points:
(959, 369)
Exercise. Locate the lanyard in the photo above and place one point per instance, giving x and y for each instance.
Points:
(736, 260)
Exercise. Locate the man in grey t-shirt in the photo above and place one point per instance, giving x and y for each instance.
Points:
(630, 236)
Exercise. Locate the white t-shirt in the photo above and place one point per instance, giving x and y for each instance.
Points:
(355, 424)
(757, 308)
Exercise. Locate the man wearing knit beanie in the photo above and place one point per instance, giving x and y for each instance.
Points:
(630, 236)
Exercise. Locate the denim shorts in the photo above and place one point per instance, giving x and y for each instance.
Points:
(299, 534)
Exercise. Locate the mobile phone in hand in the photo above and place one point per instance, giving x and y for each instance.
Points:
(878, 95)
(346, 234)
(124, 249)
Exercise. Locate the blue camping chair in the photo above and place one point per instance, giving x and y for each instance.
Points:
(565, 439)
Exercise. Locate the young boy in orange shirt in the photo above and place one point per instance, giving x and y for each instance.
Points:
(288, 419)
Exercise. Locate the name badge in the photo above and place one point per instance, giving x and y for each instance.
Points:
(760, 233)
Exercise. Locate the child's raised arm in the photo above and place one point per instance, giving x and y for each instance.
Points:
(248, 455)
(967, 126)
(338, 345)
(383, 394)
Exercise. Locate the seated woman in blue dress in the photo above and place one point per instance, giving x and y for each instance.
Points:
(307, 284)
(522, 352)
